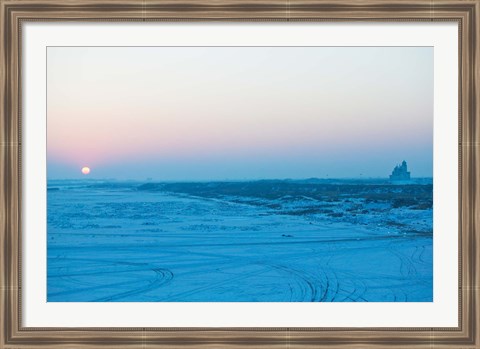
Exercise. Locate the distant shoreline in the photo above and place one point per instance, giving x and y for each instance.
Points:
(415, 180)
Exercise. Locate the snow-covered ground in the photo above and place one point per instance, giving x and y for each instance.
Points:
(215, 242)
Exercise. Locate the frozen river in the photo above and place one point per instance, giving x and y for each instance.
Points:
(127, 242)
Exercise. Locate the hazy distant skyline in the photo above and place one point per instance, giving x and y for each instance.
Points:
(201, 113)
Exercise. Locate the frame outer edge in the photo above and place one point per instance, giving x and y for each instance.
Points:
(470, 193)
(11, 174)
(3, 203)
(469, 147)
(471, 189)
(475, 210)
(13, 336)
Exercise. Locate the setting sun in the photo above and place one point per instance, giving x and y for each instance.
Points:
(85, 170)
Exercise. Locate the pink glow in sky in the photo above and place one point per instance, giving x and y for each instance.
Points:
(206, 112)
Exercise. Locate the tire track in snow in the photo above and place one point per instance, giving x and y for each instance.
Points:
(211, 286)
(162, 277)
(310, 286)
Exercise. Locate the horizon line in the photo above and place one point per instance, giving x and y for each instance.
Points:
(228, 179)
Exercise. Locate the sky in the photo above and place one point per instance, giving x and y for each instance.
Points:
(234, 113)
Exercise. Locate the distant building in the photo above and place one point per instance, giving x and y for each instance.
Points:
(400, 173)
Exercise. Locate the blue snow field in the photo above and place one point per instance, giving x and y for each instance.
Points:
(259, 241)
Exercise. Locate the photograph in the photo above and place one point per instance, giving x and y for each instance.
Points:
(240, 173)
